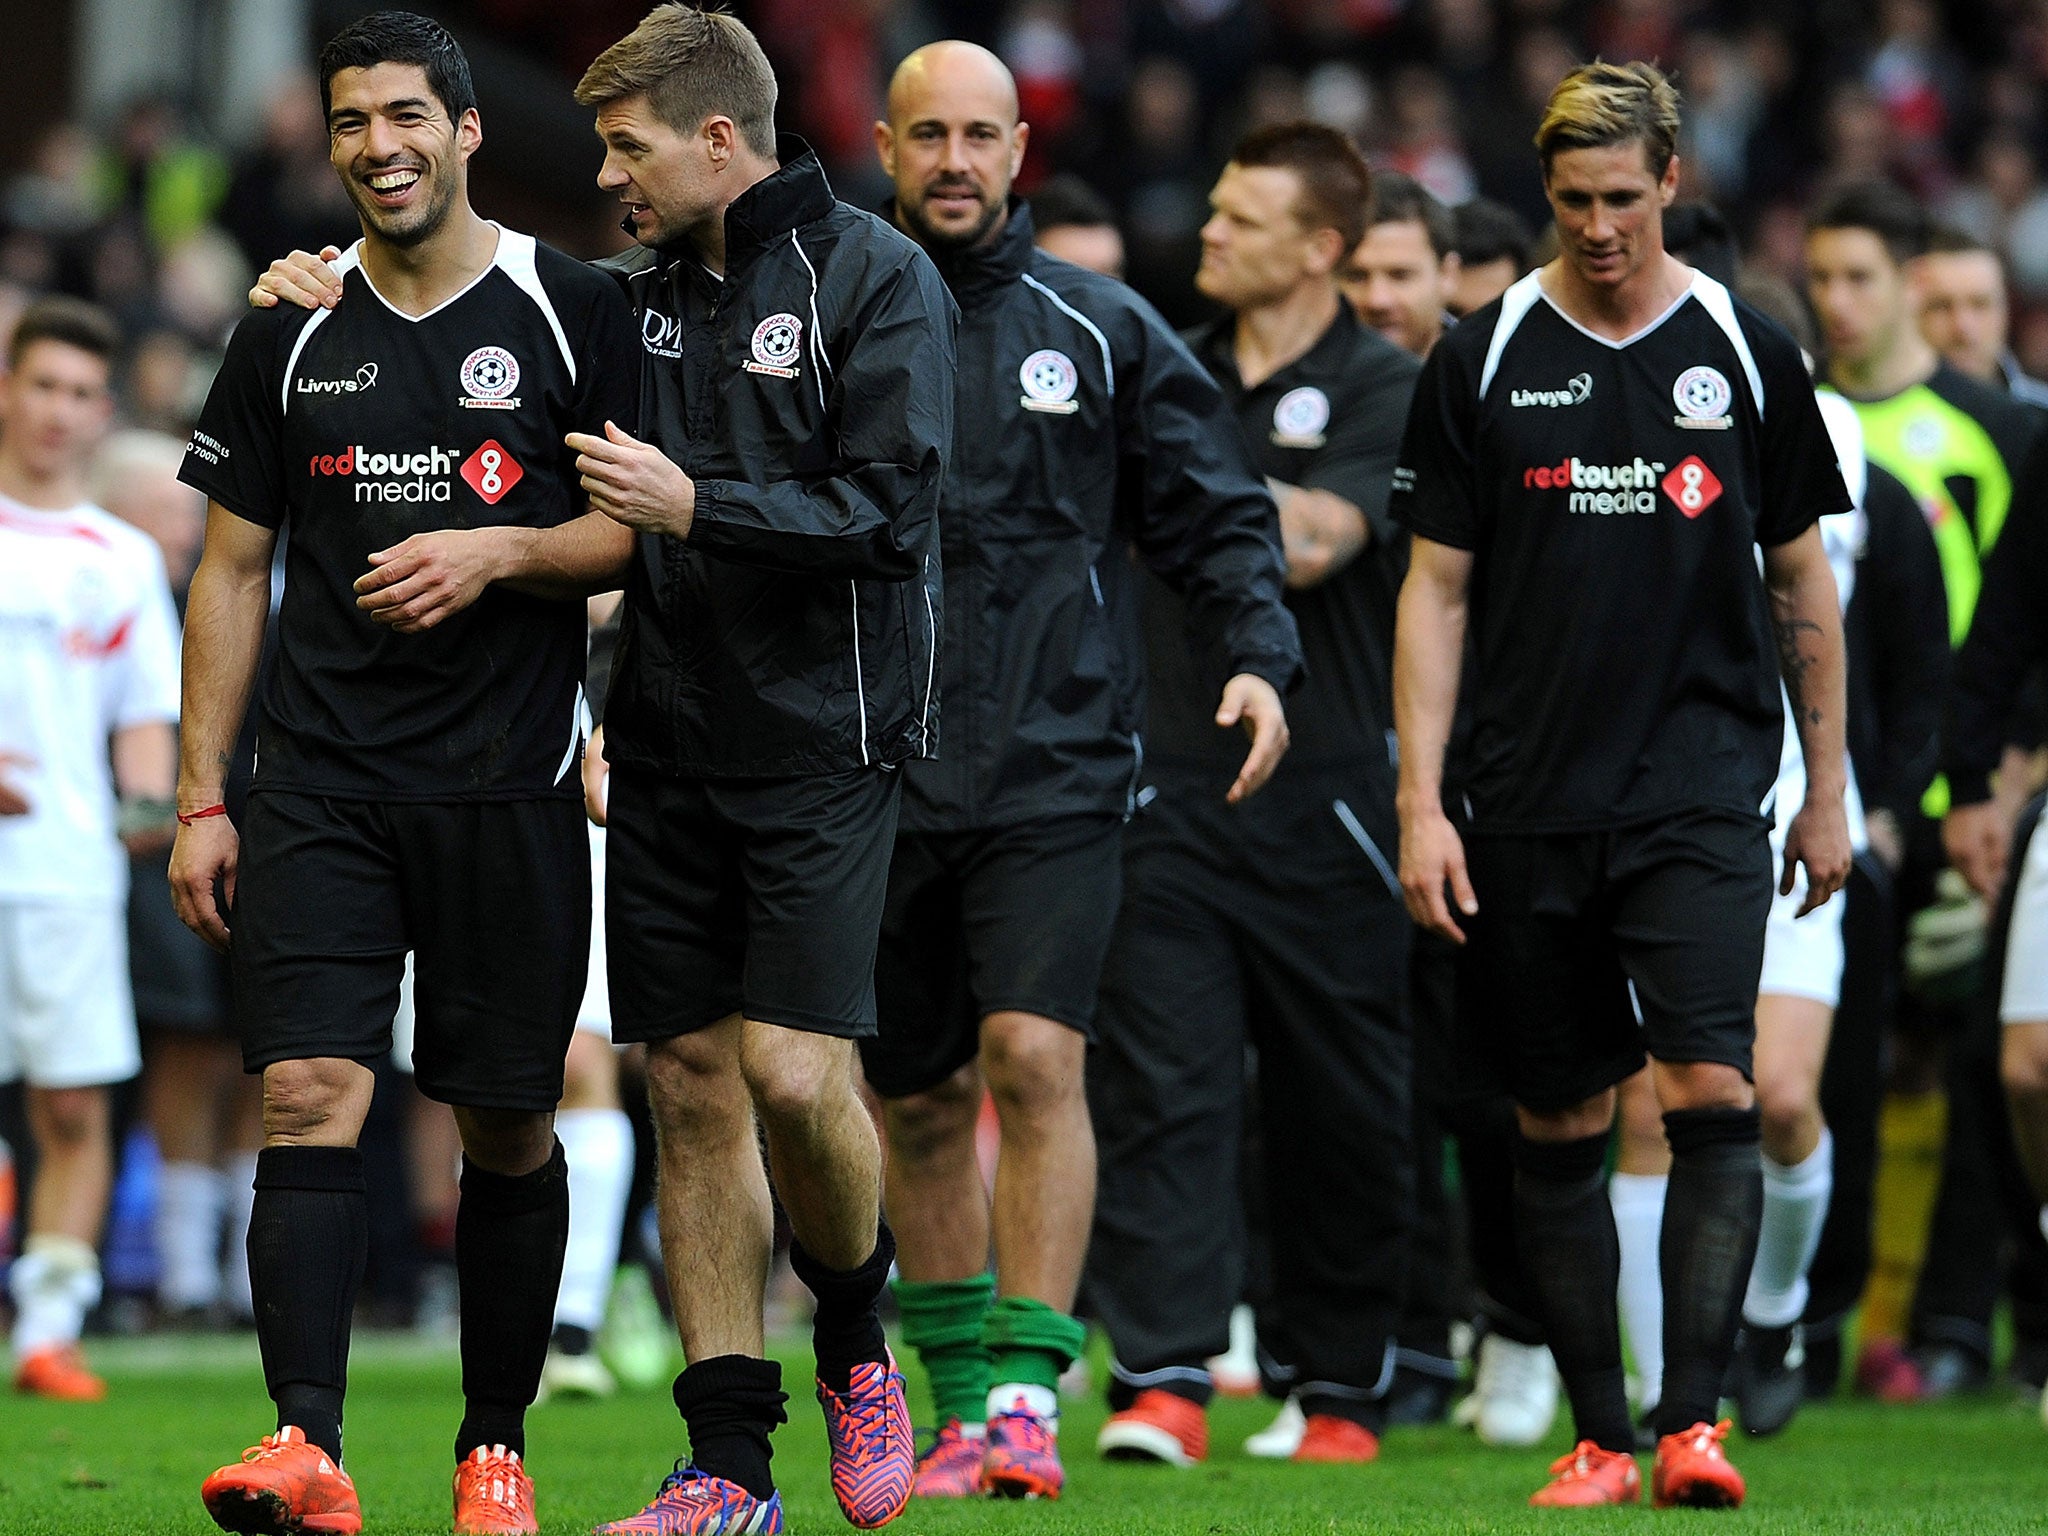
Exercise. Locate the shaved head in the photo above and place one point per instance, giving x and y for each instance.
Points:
(952, 144)
(955, 72)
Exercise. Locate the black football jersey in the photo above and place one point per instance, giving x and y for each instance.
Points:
(353, 429)
(1613, 495)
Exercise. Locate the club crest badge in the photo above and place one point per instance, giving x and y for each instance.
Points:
(1703, 397)
(1049, 380)
(777, 342)
(1300, 417)
(489, 375)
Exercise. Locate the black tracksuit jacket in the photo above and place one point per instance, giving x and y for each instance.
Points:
(1087, 431)
(809, 394)
(2008, 641)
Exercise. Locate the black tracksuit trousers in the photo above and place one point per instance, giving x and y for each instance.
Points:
(1277, 925)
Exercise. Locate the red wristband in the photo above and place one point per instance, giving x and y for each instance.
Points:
(186, 818)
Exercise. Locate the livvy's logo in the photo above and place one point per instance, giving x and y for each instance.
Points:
(489, 375)
(777, 341)
(1578, 389)
(1049, 380)
(366, 378)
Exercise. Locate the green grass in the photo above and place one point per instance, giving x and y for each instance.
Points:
(179, 1407)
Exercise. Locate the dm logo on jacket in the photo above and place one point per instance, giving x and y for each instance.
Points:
(1049, 379)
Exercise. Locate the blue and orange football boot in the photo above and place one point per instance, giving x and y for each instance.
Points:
(1023, 1460)
(950, 1468)
(874, 1454)
(694, 1503)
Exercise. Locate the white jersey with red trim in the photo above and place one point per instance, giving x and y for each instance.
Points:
(88, 646)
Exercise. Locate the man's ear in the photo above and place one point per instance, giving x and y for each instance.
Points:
(885, 148)
(469, 132)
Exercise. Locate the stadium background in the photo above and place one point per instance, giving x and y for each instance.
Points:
(155, 153)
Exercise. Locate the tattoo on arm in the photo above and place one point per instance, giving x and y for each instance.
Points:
(1793, 664)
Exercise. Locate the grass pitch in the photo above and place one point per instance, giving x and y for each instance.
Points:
(179, 1407)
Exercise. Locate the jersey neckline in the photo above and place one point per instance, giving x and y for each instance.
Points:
(1691, 287)
(356, 251)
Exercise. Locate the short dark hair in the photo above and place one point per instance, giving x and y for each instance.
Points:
(1336, 183)
(401, 37)
(1884, 208)
(691, 64)
(1699, 236)
(1066, 201)
(1952, 240)
(1485, 231)
(1398, 198)
(71, 321)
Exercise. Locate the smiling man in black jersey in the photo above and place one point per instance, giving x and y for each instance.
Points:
(1590, 468)
(416, 786)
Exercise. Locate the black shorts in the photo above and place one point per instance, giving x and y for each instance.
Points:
(180, 982)
(1569, 923)
(491, 897)
(759, 897)
(990, 921)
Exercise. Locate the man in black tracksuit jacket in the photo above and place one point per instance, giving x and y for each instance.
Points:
(1087, 431)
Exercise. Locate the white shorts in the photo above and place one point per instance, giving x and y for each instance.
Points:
(67, 1009)
(1803, 955)
(2024, 996)
(593, 1017)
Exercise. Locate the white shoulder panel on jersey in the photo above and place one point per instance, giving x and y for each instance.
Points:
(1515, 305)
(516, 260)
(1715, 300)
(346, 263)
(1845, 428)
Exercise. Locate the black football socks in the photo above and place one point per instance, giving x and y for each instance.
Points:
(1713, 1207)
(731, 1404)
(847, 1330)
(510, 1233)
(308, 1240)
(1565, 1229)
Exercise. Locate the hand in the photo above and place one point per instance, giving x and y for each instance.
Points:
(12, 801)
(1979, 841)
(1433, 857)
(205, 851)
(634, 483)
(307, 281)
(1881, 828)
(1250, 700)
(414, 585)
(597, 778)
(1819, 839)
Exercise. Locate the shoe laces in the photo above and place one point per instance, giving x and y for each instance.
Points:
(1706, 1439)
(687, 1484)
(269, 1446)
(493, 1476)
(1577, 1462)
(1020, 1426)
(864, 1417)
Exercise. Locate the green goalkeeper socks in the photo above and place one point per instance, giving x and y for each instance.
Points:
(944, 1321)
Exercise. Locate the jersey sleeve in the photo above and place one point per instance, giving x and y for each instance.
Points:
(1432, 493)
(608, 385)
(1801, 481)
(235, 454)
(144, 685)
(1364, 445)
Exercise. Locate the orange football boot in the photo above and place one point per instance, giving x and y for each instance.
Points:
(283, 1485)
(1332, 1438)
(1692, 1470)
(58, 1372)
(1587, 1475)
(493, 1494)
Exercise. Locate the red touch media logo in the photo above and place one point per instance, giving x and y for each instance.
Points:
(1692, 485)
(492, 472)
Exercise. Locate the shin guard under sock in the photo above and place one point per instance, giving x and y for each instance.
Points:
(308, 1241)
(1565, 1230)
(942, 1322)
(1712, 1209)
(847, 1330)
(510, 1231)
(731, 1404)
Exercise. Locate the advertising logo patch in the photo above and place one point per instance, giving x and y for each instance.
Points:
(777, 341)
(1578, 389)
(492, 472)
(1692, 485)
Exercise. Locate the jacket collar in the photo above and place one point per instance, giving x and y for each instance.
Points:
(971, 271)
(790, 197)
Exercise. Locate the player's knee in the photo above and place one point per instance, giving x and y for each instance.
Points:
(1789, 1108)
(1032, 1065)
(2023, 1060)
(72, 1117)
(590, 1075)
(1702, 1085)
(794, 1088)
(301, 1098)
(926, 1126)
(511, 1142)
(693, 1082)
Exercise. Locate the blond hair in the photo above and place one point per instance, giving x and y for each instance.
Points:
(691, 64)
(1600, 104)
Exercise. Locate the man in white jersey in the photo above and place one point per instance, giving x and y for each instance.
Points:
(88, 694)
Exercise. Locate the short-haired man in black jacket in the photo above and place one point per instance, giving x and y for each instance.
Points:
(1094, 429)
